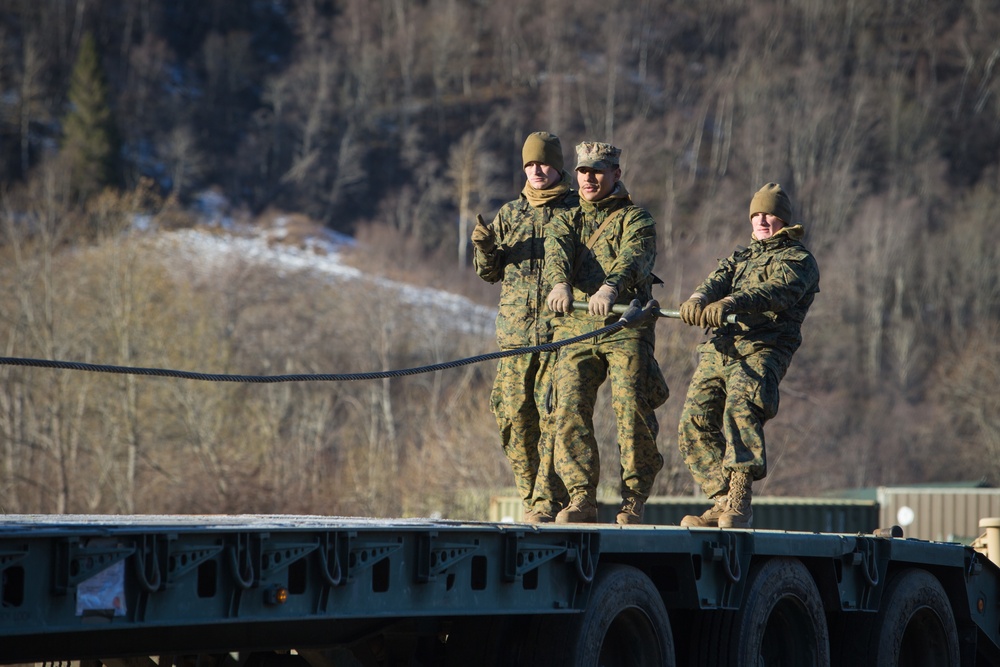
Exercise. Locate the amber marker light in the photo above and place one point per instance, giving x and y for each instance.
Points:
(276, 595)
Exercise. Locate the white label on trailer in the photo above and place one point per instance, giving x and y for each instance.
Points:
(104, 593)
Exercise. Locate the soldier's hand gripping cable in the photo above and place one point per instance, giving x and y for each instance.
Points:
(652, 308)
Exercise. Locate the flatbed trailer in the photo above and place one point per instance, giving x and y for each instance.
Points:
(336, 591)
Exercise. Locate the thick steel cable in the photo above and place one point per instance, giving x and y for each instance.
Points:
(305, 377)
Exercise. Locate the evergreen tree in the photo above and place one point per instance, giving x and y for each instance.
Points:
(90, 144)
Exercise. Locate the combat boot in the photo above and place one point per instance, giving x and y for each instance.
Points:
(738, 514)
(710, 518)
(538, 516)
(631, 511)
(580, 510)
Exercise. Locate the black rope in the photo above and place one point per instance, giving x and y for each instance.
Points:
(318, 377)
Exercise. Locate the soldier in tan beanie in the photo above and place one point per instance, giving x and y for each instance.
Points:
(542, 149)
(511, 251)
(769, 287)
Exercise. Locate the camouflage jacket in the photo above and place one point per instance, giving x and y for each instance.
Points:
(523, 319)
(623, 256)
(772, 283)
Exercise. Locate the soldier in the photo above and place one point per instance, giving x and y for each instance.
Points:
(512, 250)
(604, 255)
(734, 391)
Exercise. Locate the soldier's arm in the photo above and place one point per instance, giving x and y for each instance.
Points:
(720, 282)
(561, 243)
(489, 266)
(636, 253)
(790, 278)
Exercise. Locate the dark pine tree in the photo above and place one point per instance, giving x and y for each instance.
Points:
(90, 140)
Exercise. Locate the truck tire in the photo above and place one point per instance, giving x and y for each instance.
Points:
(625, 625)
(781, 623)
(914, 626)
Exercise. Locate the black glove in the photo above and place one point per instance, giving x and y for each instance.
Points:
(483, 236)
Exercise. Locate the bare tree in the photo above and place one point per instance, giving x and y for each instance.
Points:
(185, 160)
(32, 105)
(465, 165)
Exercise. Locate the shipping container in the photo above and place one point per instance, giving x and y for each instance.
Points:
(942, 514)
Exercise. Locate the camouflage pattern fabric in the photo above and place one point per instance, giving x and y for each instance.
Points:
(722, 421)
(597, 155)
(549, 494)
(637, 389)
(523, 319)
(772, 283)
(522, 384)
(734, 390)
(623, 255)
(522, 401)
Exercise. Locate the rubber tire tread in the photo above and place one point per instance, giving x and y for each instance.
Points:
(732, 638)
(577, 639)
(877, 639)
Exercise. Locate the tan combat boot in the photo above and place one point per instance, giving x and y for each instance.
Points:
(631, 511)
(579, 510)
(738, 514)
(535, 515)
(710, 518)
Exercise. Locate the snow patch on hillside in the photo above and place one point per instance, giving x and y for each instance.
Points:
(203, 250)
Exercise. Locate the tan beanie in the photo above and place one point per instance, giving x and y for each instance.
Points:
(772, 199)
(542, 147)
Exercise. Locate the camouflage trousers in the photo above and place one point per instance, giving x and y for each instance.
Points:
(721, 427)
(637, 389)
(522, 401)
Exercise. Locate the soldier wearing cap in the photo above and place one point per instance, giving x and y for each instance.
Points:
(604, 256)
(511, 251)
(769, 286)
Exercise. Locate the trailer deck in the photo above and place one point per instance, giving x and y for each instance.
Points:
(82, 587)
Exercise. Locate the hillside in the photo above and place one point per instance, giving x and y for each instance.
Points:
(264, 297)
(394, 123)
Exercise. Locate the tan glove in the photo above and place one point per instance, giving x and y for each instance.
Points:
(691, 309)
(714, 314)
(483, 236)
(602, 301)
(560, 299)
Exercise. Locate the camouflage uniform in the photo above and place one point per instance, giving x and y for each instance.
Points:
(622, 256)
(521, 393)
(734, 390)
